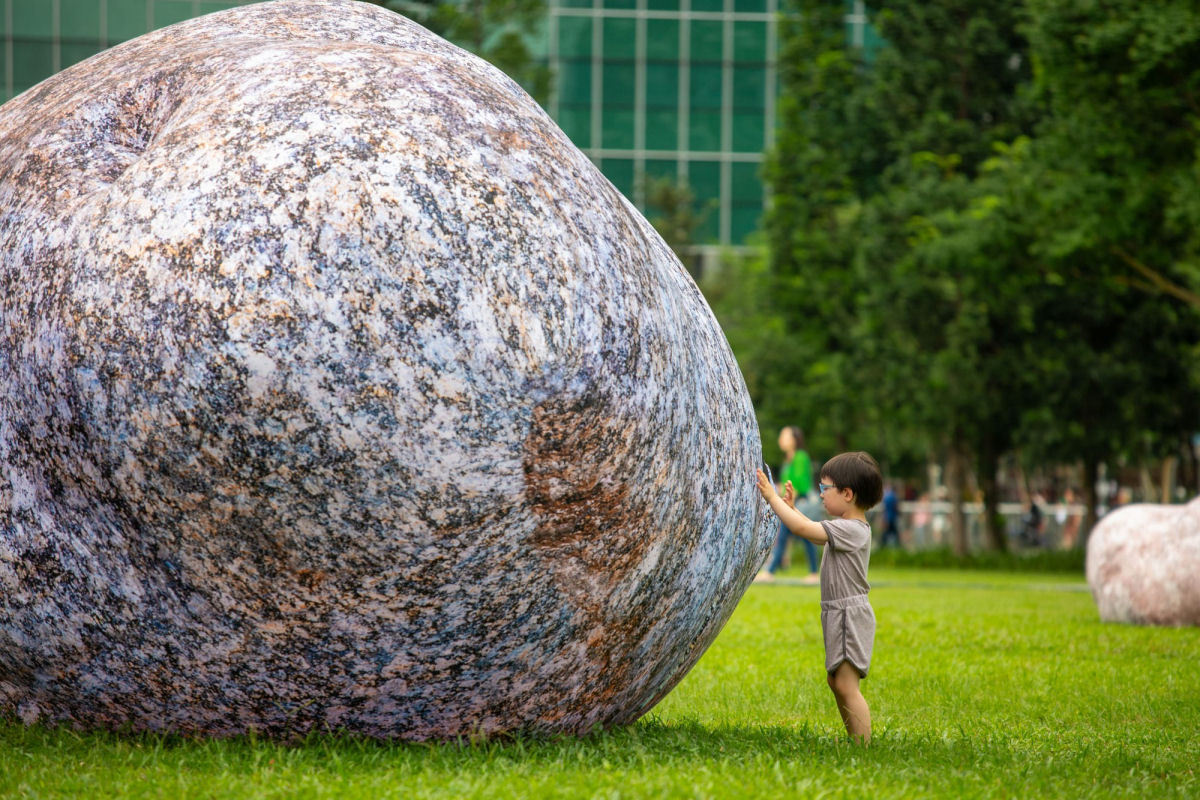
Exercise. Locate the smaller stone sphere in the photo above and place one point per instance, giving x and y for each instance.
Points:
(1143, 564)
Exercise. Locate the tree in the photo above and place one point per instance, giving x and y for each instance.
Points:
(985, 240)
(1111, 180)
(671, 205)
(900, 295)
(1121, 85)
(819, 169)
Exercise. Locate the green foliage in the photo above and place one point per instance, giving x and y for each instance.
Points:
(1121, 81)
(804, 371)
(982, 685)
(887, 267)
(985, 240)
(671, 206)
(1117, 146)
(951, 80)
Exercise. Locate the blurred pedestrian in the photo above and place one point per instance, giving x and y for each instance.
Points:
(891, 517)
(1032, 523)
(797, 470)
(1071, 519)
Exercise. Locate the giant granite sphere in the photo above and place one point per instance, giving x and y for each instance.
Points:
(340, 391)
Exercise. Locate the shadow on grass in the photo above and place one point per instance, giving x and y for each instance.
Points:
(650, 741)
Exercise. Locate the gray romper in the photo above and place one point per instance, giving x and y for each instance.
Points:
(847, 618)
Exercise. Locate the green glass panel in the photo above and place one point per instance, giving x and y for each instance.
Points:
(32, 63)
(574, 37)
(662, 5)
(746, 188)
(619, 85)
(577, 125)
(620, 38)
(708, 5)
(749, 130)
(658, 169)
(705, 88)
(620, 4)
(750, 42)
(662, 130)
(79, 20)
(32, 20)
(662, 86)
(705, 179)
(706, 230)
(704, 130)
(208, 8)
(168, 12)
(620, 172)
(744, 221)
(659, 179)
(750, 6)
(618, 130)
(662, 39)
(575, 83)
(575, 3)
(74, 52)
(749, 88)
(707, 41)
(126, 19)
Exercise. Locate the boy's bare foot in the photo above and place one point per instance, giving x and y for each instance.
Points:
(812, 577)
(763, 577)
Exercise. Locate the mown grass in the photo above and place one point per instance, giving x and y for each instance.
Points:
(1000, 685)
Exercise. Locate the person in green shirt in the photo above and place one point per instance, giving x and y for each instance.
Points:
(797, 468)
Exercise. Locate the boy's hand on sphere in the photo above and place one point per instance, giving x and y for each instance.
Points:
(764, 486)
(789, 494)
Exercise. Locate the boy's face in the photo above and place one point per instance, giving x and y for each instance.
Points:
(837, 501)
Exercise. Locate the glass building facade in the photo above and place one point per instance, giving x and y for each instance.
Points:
(41, 37)
(677, 89)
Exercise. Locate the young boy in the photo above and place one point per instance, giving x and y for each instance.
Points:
(850, 484)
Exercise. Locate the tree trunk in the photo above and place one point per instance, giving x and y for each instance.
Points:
(1091, 474)
(1191, 468)
(993, 522)
(477, 11)
(955, 463)
(1168, 478)
(1149, 490)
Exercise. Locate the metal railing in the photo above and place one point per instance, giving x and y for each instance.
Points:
(926, 524)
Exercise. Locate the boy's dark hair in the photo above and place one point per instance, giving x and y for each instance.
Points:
(857, 472)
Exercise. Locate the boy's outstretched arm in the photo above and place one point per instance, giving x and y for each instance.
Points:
(796, 522)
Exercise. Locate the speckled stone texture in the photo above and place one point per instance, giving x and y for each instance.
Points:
(340, 391)
(1143, 564)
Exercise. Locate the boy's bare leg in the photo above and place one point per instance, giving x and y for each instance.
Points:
(856, 714)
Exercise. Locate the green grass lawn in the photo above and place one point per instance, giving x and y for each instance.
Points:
(983, 685)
